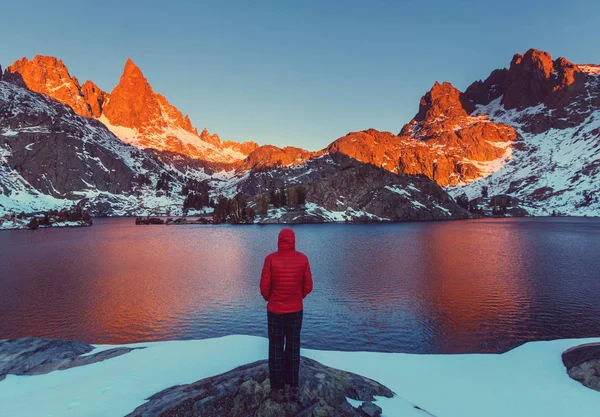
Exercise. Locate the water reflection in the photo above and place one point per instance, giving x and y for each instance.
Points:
(484, 285)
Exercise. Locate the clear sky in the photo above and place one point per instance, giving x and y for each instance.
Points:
(299, 73)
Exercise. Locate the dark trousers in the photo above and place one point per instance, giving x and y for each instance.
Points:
(284, 348)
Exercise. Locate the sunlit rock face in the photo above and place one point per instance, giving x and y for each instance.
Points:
(443, 141)
(269, 156)
(554, 107)
(50, 76)
(94, 97)
(530, 132)
(133, 111)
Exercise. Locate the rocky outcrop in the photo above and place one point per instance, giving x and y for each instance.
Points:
(339, 188)
(269, 156)
(583, 364)
(532, 78)
(94, 97)
(134, 104)
(244, 391)
(443, 100)
(34, 356)
(371, 147)
(48, 75)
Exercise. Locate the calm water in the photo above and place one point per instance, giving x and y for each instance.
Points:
(467, 286)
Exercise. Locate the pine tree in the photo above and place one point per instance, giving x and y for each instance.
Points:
(263, 204)
(292, 197)
(274, 198)
(282, 197)
(301, 195)
(33, 224)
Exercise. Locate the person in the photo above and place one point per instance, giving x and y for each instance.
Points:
(285, 281)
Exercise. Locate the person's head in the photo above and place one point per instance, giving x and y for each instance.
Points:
(287, 240)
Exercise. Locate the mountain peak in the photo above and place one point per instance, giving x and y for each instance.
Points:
(442, 100)
(49, 75)
(131, 69)
(531, 78)
(94, 96)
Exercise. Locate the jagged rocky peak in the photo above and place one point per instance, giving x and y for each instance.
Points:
(94, 96)
(49, 75)
(443, 100)
(532, 78)
(210, 138)
(132, 102)
(269, 156)
(150, 121)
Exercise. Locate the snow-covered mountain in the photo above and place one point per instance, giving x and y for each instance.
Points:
(133, 111)
(529, 133)
(51, 157)
(554, 106)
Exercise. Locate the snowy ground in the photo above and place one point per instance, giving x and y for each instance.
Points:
(529, 381)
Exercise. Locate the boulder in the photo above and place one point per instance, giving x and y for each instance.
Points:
(34, 356)
(583, 364)
(245, 391)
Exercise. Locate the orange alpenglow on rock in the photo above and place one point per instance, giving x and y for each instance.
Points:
(442, 142)
(48, 75)
(133, 111)
(94, 97)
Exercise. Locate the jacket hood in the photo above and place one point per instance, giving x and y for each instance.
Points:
(287, 240)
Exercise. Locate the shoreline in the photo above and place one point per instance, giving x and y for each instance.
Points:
(361, 222)
(529, 380)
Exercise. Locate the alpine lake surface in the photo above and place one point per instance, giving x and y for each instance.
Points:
(484, 285)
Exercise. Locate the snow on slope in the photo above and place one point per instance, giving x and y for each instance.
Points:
(589, 68)
(529, 381)
(557, 170)
(31, 122)
(172, 138)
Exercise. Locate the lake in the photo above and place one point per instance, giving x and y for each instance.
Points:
(445, 287)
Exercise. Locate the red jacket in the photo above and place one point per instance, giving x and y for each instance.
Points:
(286, 277)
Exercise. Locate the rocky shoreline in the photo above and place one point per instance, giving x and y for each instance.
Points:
(237, 389)
(243, 391)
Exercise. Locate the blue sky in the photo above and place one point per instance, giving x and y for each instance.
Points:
(299, 73)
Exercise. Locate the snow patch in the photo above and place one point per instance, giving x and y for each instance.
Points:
(528, 381)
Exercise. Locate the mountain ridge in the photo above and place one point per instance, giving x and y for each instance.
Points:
(506, 134)
(132, 110)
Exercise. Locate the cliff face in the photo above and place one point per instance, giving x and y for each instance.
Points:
(133, 111)
(49, 76)
(51, 157)
(554, 107)
(339, 188)
(529, 131)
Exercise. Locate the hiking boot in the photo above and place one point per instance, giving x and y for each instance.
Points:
(294, 393)
(278, 395)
